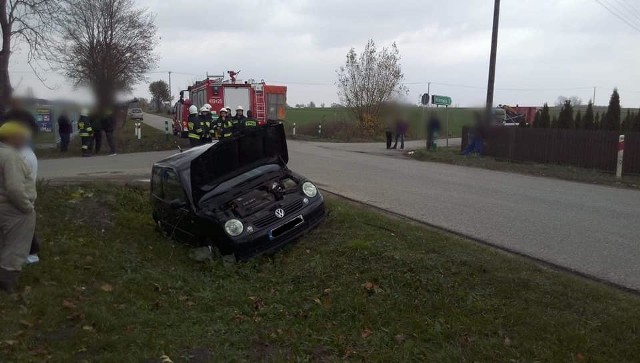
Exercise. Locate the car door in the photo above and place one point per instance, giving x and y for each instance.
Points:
(178, 212)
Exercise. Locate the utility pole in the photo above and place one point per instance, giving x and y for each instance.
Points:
(429, 93)
(170, 90)
(594, 96)
(494, 53)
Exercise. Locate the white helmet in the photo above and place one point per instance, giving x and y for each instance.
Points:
(84, 112)
(208, 107)
(228, 108)
(203, 109)
(193, 110)
(239, 108)
(224, 110)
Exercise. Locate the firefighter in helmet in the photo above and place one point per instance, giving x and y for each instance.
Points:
(225, 124)
(240, 117)
(206, 122)
(195, 127)
(85, 131)
(250, 121)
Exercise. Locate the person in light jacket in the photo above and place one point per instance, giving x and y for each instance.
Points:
(17, 197)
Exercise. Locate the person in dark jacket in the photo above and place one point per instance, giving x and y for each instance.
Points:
(433, 129)
(401, 132)
(64, 130)
(109, 126)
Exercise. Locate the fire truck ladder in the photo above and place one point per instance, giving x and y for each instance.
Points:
(260, 105)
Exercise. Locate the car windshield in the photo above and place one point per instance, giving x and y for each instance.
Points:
(136, 110)
(242, 179)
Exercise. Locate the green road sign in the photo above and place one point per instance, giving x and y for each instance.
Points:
(441, 100)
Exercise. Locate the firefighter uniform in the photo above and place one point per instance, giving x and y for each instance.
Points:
(249, 121)
(195, 130)
(206, 122)
(85, 131)
(224, 125)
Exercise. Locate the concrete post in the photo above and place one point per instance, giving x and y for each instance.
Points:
(620, 157)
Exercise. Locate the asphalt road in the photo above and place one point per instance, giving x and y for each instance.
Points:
(590, 229)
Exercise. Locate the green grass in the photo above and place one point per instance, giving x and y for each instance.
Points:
(361, 287)
(308, 119)
(566, 172)
(152, 140)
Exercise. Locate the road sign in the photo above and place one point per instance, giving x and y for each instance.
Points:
(424, 99)
(441, 100)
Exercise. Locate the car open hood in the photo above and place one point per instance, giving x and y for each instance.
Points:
(229, 158)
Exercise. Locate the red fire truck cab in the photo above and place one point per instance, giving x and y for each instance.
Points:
(267, 102)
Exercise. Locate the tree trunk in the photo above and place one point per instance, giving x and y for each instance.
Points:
(5, 54)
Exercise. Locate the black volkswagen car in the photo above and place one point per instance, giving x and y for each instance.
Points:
(236, 194)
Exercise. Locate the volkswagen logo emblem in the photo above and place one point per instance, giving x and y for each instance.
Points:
(280, 213)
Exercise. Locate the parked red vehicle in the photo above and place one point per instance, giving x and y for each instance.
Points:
(267, 102)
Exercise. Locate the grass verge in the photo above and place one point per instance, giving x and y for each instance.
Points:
(571, 173)
(361, 287)
(152, 140)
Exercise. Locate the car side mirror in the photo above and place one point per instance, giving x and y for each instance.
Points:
(177, 204)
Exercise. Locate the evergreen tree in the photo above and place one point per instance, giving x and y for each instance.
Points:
(589, 121)
(554, 122)
(545, 118)
(612, 119)
(578, 120)
(565, 119)
(596, 122)
(636, 123)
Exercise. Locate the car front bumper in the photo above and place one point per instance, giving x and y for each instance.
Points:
(264, 241)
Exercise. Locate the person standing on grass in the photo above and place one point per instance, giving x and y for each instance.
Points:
(433, 130)
(65, 130)
(401, 132)
(17, 197)
(109, 126)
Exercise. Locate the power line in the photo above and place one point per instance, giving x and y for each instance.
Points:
(609, 9)
(632, 9)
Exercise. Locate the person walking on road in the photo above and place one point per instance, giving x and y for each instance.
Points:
(401, 132)
(388, 131)
(65, 129)
(17, 197)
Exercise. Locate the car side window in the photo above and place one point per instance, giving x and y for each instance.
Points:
(156, 182)
(172, 187)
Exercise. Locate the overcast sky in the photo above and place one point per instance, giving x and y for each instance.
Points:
(547, 48)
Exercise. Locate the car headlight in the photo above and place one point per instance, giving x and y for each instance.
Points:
(309, 190)
(234, 227)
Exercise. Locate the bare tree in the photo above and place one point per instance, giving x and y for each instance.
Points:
(574, 100)
(106, 45)
(28, 23)
(369, 80)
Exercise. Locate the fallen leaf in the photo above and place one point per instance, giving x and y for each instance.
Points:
(366, 333)
(368, 286)
(106, 288)
(400, 338)
(507, 341)
(317, 301)
(26, 323)
(580, 358)
(87, 328)
(190, 303)
(68, 304)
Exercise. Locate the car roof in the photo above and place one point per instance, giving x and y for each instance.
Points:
(182, 160)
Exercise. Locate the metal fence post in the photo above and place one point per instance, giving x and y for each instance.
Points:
(620, 156)
(294, 129)
(166, 129)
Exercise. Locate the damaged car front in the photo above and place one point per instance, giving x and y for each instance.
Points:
(242, 197)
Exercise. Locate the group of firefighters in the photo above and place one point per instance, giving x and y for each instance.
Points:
(204, 126)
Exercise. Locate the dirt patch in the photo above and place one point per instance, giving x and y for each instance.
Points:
(94, 212)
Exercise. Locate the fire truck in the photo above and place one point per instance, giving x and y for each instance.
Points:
(267, 102)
